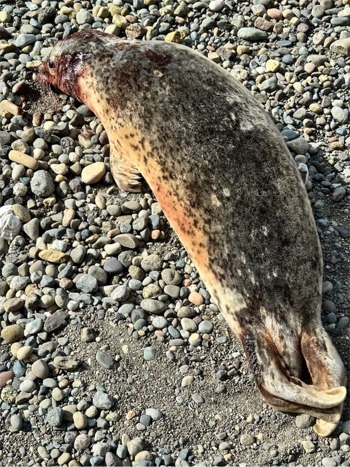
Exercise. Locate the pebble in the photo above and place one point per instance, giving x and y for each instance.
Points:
(53, 256)
(338, 194)
(155, 307)
(105, 360)
(16, 422)
(149, 353)
(341, 47)
(102, 400)
(12, 333)
(87, 283)
(329, 462)
(216, 5)
(80, 420)
(251, 34)
(247, 439)
(127, 240)
(54, 416)
(42, 184)
(309, 446)
(340, 115)
(40, 369)
(5, 376)
(93, 173)
(135, 446)
(304, 421)
(82, 442)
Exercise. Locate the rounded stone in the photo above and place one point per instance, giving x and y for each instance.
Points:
(12, 333)
(16, 422)
(42, 184)
(149, 353)
(93, 173)
(87, 283)
(153, 306)
(40, 369)
(79, 420)
(82, 442)
(152, 263)
(23, 353)
(247, 440)
(102, 400)
(105, 360)
(135, 446)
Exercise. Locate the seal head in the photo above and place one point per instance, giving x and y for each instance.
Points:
(230, 189)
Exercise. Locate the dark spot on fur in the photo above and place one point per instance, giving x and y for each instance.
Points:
(160, 59)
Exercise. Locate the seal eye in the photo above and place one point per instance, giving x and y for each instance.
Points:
(52, 64)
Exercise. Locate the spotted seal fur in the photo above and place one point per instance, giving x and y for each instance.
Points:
(230, 189)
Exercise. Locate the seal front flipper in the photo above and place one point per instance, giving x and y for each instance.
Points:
(125, 173)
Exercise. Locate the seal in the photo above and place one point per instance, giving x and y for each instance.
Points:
(230, 189)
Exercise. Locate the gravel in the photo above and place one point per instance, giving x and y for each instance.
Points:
(112, 351)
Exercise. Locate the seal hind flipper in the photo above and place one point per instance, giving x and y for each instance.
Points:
(125, 173)
(281, 386)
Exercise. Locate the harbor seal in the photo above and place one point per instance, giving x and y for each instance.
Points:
(230, 189)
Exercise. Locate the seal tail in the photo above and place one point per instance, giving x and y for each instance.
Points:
(323, 398)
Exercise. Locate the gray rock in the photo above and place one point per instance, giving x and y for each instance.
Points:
(33, 327)
(102, 400)
(78, 254)
(298, 145)
(55, 321)
(113, 266)
(269, 84)
(105, 360)
(329, 462)
(84, 16)
(42, 184)
(159, 322)
(247, 440)
(23, 40)
(40, 369)
(346, 427)
(152, 263)
(16, 422)
(135, 446)
(155, 414)
(216, 5)
(153, 306)
(31, 228)
(252, 34)
(87, 283)
(188, 325)
(304, 421)
(112, 460)
(339, 114)
(149, 353)
(127, 240)
(205, 327)
(171, 276)
(172, 290)
(54, 417)
(82, 442)
(338, 194)
(120, 293)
